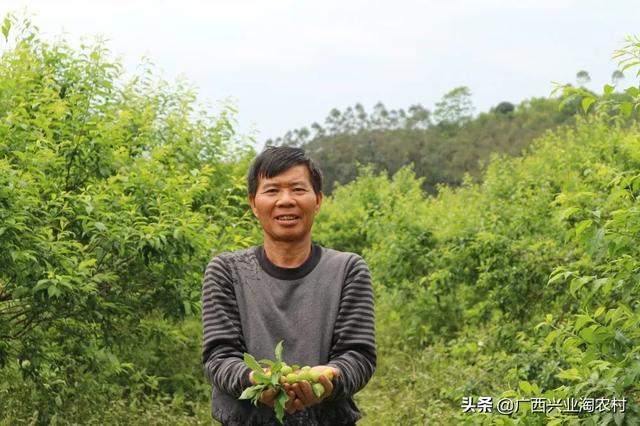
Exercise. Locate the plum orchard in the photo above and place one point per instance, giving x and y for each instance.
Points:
(276, 374)
(114, 189)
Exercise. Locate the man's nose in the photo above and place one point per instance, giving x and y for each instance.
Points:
(285, 198)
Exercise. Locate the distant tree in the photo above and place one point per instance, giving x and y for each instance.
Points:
(616, 77)
(355, 120)
(583, 78)
(505, 108)
(455, 107)
(419, 118)
(389, 139)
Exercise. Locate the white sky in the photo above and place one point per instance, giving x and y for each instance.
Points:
(287, 63)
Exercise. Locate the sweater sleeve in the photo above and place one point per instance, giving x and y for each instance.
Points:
(223, 344)
(353, 349)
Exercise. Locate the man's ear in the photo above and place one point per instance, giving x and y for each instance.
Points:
(252, 202)
(319, 198)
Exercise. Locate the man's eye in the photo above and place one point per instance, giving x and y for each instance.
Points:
(300, 190)
(271, 191)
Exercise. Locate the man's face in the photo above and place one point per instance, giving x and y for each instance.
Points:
(286, 204)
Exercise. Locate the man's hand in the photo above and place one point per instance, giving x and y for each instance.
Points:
(268, 397)
(304, 392)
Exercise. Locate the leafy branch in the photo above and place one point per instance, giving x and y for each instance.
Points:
(267, 379)
(615, 105)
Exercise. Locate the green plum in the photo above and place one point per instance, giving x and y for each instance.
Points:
(318, 389)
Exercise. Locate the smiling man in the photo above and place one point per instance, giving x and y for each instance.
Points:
(318, 300)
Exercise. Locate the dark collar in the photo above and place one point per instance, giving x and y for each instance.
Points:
(289, 273)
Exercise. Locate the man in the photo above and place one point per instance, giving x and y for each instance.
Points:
(318, 300)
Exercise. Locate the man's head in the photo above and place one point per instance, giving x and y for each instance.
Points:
(275, 160)
(285, 193)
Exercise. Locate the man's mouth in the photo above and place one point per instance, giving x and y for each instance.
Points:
(285, 218)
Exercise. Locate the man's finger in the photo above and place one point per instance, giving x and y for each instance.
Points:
(300, 394)
(293, 404)
(310, 397)
(268, 396)
(298, 404)
(289, 407)
(327, 385)
(336, 372)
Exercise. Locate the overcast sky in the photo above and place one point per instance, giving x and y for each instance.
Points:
(287, 63)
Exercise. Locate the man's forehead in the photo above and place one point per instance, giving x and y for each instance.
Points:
(293, 175)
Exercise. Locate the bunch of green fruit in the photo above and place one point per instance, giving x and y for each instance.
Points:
(294, 374)
(275, 375)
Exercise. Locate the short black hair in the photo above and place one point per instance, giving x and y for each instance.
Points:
(274, 160)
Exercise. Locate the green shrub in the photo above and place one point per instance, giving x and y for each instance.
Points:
(113, 195)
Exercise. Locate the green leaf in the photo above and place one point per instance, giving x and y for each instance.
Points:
(6, 26)
(53, 291)
(626, 108)
(267, 362)
(275, 379)
(559, 276)
(576, 284)
(582, 320)
(586, 103)
(252, 363)
(551, 337)
(608, 89)
(86, 264)
(525, 387)
(589, 355)
(279, 351)
(250, 392)
(568, 212)
(570, 374)
(279, 405)
(564, 102)
(261, 388)
(632, 91)
(540, 324)
(582, 226)
(588, 335)
(571, 344)
(276, 367)
(599, 283)
(261, 378)
(187, 307)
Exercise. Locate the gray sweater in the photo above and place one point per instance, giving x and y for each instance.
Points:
(323, 310)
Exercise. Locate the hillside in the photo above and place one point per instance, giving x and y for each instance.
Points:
(440, 151)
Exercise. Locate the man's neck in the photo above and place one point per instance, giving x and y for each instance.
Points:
(287, 254)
